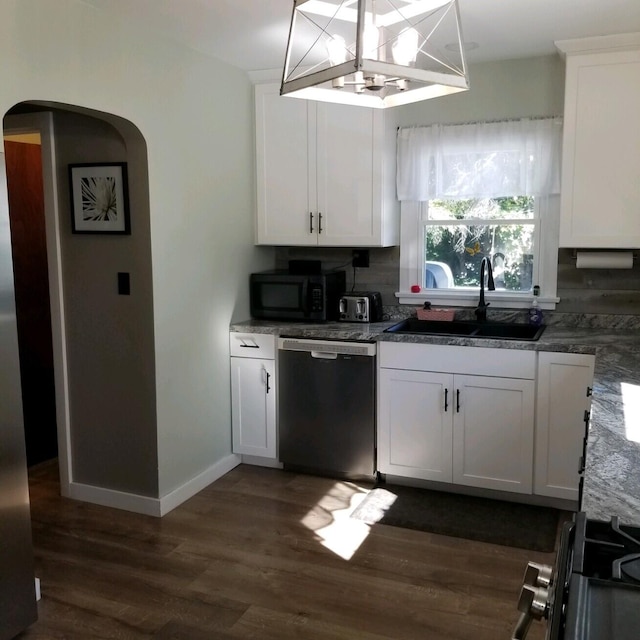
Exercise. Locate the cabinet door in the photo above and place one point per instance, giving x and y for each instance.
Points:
(286, 196)
(600, 201)
(564, 398)
(348, 151)
(253, 407)
(414, 424)
(493, 433)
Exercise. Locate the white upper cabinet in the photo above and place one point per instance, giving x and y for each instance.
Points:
(325, 173)
(600, 201)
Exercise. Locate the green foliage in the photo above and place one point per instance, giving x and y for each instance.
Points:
(462, 246)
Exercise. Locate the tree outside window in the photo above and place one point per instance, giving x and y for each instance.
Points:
(459, 233)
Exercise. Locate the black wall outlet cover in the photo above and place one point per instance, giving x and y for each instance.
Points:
(124, 286)
(360, 258)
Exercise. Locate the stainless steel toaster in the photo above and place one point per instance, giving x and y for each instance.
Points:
(360, 306)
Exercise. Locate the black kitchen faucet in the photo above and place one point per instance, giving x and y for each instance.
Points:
(481, 309)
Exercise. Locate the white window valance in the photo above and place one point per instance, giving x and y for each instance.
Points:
(480, 160)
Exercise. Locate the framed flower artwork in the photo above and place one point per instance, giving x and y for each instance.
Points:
(99, 198)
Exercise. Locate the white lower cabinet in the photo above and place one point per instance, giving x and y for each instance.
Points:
(565, 381)
(499, 419)
(414, 428)
(493, 433)
(253, 395)
(448, 426)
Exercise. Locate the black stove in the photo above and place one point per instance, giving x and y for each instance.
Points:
(603, 585)
(594, 592)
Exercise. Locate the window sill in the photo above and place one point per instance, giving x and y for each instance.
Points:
(498, 299)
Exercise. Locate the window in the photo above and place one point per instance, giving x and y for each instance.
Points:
(474, 191)
(460, 233)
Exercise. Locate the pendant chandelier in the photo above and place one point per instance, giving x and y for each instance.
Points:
(375, 53)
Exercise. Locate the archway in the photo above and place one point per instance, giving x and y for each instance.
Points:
(74, 134)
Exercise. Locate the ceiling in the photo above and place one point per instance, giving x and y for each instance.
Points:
(252, 34)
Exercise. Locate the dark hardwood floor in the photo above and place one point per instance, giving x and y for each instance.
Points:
(251, 557)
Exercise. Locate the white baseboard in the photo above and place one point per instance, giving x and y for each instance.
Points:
(116, 499)
(193, 486)
(145, 505)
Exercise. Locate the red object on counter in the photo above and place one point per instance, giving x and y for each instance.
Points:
(415, 288)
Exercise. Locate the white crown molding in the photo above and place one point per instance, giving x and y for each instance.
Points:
(264, 76)
(599, 44)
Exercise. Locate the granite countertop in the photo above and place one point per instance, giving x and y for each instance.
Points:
(612, 476)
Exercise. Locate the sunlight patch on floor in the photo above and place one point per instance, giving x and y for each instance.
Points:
(330, 519)
(378, 503)
(631, 404)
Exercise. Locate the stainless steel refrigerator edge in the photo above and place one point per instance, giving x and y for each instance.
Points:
(17, 582)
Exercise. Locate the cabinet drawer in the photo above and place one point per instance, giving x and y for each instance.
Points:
(480, 361)
(252, 345)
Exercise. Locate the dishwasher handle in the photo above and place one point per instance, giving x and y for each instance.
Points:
(324, 355)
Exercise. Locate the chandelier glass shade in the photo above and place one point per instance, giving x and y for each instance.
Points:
(376, 53)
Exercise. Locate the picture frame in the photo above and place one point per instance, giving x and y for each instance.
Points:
(99, 198)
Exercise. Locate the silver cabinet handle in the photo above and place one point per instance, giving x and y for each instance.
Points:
(319, 223)
(310, 221)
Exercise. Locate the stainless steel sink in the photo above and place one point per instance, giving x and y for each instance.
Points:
(499, 330)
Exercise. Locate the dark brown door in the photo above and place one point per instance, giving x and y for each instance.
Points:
(29, 246)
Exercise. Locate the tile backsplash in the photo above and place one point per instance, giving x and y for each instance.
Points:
(381, 274)
(614, 291)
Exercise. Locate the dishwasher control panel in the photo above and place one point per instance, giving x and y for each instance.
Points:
(327, 346)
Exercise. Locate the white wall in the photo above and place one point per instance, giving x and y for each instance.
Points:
(196, 117)
(499, 91)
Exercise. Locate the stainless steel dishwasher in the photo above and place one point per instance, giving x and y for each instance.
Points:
(326, 406)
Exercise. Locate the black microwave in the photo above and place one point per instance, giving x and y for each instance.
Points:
(281, 295)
